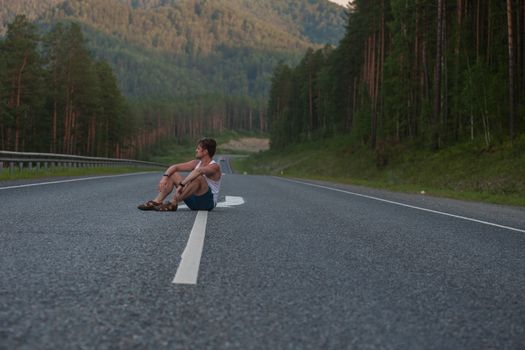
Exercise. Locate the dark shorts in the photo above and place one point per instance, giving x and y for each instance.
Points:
(204, 202)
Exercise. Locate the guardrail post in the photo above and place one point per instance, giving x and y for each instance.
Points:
(20, 166)
(30, 164)
(1, 167)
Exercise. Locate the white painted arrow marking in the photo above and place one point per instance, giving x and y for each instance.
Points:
(230, 201)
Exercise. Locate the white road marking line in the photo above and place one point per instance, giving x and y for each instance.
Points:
(188, 270)
(407, 205)
(71, 180)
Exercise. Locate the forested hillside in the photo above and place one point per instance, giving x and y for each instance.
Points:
(425, 72)
(199, 24)
(32, 9)
(186, 67)
(163, 49)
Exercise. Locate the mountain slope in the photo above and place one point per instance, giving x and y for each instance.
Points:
(199, 27)
(296, 22)
(31, 8)
(318, 21)
(169, 48)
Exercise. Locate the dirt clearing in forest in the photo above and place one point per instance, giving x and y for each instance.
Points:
(246, 144)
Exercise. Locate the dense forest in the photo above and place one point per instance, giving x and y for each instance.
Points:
(55, 97)
(431, 73)
(184, 68)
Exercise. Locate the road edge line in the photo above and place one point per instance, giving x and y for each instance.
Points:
(406, 205)
(71, 180)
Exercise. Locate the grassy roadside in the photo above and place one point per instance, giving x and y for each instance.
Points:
(466, 171)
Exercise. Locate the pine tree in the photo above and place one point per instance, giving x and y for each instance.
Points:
(81, 90)
(111, 121)
(55, 49)
(22, 82)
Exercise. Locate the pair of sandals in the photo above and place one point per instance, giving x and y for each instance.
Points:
(152, 205)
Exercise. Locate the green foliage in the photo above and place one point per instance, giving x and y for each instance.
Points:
(465, 171)
(301, 104)
(21, 85)
(482, 94)
(388, 83)
(55, 97)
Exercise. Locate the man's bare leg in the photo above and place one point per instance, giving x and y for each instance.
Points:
(175, 178)
(197, 187)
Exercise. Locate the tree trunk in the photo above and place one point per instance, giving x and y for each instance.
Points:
(511, 70)
(457, 49)
(54, 128)
(478, 25)
(489, 32)
(382, 63)
(18, 100)
(310, 103)
(437, 76)
(416, 91)
(372, 91)
(444, 81)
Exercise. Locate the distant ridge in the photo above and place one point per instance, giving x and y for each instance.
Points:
(169, 48)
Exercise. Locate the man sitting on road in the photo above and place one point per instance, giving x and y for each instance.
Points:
(199, 190)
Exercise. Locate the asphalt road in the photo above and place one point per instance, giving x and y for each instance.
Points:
(296, 266)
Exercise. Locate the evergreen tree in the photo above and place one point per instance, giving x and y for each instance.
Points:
(111, 120)
(410, 70)
(23, 96)
(55, 49)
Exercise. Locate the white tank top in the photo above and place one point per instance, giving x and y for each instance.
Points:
(214, 186)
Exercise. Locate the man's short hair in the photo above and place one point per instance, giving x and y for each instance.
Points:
(208, 144)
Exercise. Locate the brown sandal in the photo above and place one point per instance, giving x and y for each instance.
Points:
(149, 205)
(167, 207)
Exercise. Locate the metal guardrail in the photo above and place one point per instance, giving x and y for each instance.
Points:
(21, 160)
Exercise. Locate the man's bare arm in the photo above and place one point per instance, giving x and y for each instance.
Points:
(188, 166)
(164, 183)
(212, 171)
